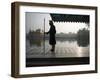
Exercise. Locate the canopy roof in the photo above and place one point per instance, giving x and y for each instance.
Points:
(70, 18)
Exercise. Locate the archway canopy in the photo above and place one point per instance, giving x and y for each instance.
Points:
(70, 18)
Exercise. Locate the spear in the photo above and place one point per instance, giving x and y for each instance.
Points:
(44, 36)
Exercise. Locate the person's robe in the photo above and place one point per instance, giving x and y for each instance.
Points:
(52, 32)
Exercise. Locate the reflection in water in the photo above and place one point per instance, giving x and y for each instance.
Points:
(65, 48)
(82, 42)
(35, 42)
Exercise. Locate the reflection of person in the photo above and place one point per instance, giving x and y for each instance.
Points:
(52, 32)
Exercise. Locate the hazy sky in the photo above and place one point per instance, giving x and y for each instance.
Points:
(36, 21)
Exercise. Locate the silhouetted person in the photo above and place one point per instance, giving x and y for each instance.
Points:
(52, 32)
